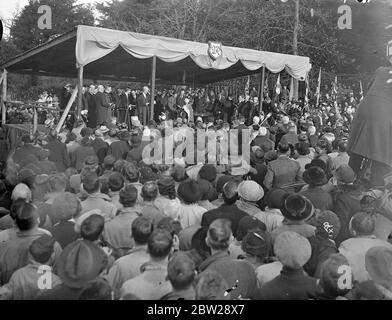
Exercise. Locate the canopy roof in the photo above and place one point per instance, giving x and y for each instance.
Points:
(119, 55)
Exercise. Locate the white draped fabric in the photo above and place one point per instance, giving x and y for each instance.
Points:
(94, 43)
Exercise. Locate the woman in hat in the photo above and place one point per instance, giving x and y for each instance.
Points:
(315, 177)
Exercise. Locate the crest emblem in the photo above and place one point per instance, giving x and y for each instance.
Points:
(214, 50)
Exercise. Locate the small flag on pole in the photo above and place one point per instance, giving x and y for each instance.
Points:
(278, 86)
(318, 89)
(361, 89)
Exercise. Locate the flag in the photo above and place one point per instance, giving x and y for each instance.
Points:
(318, 91)
(291, 95)
(361, 89)
(278, 86)
(247, 85)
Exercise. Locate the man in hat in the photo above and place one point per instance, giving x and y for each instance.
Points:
(100, 147)
(102, 106)
(80, 263)
(315, 177)
(95, 199)
(250, 193)
(26, 152)
(152, 282)
(81, 153)
(293, 251)
(23, 284)
(263, 141)
(127, 267)
(120, 148)
(58, 152)
(297, 210)
(238, 274)
(117, 233)
(283, 172)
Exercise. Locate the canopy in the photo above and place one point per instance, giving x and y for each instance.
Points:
(121, 55)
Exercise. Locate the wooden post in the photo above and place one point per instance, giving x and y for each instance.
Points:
(295, 44)
(35, 120)
(184, 77)
(80, 90)
(4, 97)
(67, 108)
(262, 88)
(153, 73)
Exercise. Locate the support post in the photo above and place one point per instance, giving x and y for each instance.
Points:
(262, 84)
(35, 120)
(80, 90)
(295, 44)
(153, 74)
(184, 77)
(67, 108)
(4, 97)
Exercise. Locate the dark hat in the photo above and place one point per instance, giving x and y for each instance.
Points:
(317, 163)
(327, 224)
(208, 172)
(315, 176)
(206, 189)
(257, 243)
(146, 174)
(189, 191)
(222, 181)
(42, 248)
(166, 186)
(25, 174)
(247, 224)
(131, 171)
(128, 194)
(275, 197)
(124, 135)
(91, 161)
(296, 207)
(90, 180)
(198, 241)
(109, 161)
(259, 154)
(81, 262)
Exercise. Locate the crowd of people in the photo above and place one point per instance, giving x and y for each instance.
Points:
(296, 222)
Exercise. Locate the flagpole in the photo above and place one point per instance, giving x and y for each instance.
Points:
(318, 89)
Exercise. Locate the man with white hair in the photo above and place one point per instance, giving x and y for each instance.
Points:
(263, 141)
(142, 104)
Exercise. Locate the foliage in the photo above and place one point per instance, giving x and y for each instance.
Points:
(65, 15)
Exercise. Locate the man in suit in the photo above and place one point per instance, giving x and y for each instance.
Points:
(102, 106)
(92, 110)
(142, 104)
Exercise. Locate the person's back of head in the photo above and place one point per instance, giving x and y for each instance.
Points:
(181, 271)
(342, 145)
(189, 191)
(142, 228)
(362, 224)
(128, 196)
(42, 248)
(27, 217)
(230, 192)
(210, 285)
(283, 147)
(91, 183)
(160, 244)
(335, 268)
(97, 290)
(149, 191)
(219, 235)
(115, 181)
(92, 227)
(302, 148)
(58, 182)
